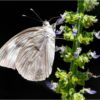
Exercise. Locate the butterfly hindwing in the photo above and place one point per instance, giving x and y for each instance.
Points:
(35, 62)
(30, 58)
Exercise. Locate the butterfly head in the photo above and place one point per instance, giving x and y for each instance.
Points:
(46, 23)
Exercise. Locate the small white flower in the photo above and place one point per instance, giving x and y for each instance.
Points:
(78, 50)
(89, 90)
(79, 17)
(60, 48)
(63, 15)
(54, 84)
(66, 56)
(97, 3)
(74, 30)
(94, 76)
(62, 28)
(97, 34)
(57, 48)
(93, 54)
(96, 21)
(61, 20)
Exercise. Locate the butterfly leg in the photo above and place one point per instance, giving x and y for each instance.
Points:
(60, 38)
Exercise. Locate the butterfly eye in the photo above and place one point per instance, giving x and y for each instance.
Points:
(45, 25)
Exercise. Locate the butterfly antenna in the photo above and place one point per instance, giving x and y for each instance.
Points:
(36, 14)
(53, 18)
(30, 17)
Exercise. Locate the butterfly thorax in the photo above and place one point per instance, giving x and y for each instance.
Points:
(49, 29)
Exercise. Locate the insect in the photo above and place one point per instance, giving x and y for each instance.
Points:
(90, 23)
(31, 52)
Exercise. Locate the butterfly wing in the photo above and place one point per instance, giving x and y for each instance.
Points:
(30, 52)
(9, 52)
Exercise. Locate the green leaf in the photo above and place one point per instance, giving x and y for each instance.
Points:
(81, 60)
(68, 36)
(88, 20)
(82, 77)
(67, 54)
(61, 74)
(84, 40)
(71, 90)
(74, 79)
(72, 17)
(78, 96)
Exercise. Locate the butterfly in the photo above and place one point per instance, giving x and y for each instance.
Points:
(31, 52)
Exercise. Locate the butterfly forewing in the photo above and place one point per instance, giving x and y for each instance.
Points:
(9, 52)
(31, 52)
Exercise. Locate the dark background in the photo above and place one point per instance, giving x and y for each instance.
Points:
(12, 85)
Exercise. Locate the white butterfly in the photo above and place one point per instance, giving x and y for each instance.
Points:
(31, 52)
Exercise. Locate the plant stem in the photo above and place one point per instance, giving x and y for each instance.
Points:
(73, 67)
